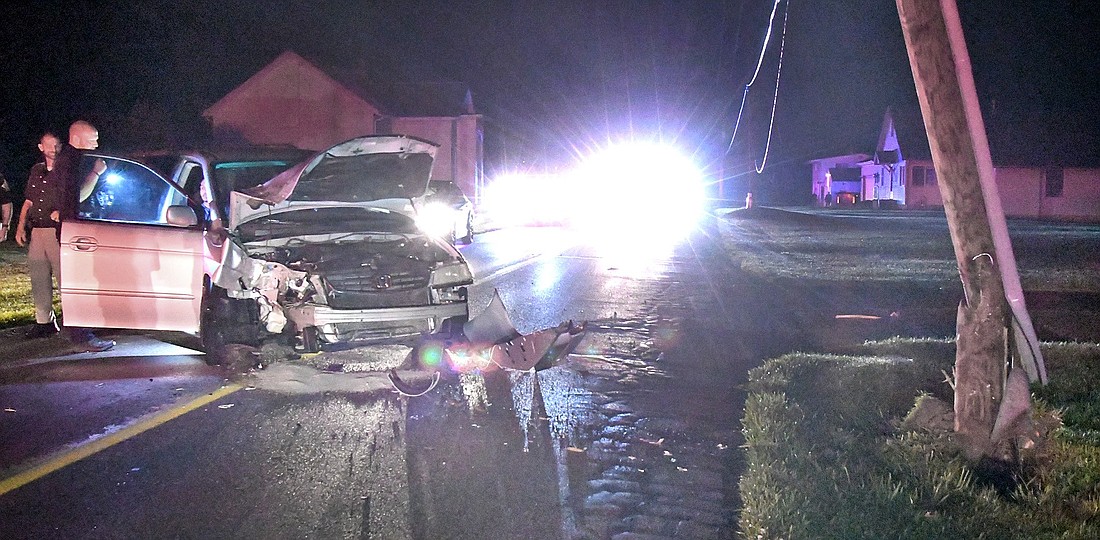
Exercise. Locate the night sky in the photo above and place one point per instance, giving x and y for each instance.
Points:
(556, 79)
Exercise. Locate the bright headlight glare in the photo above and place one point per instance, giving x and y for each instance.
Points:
(451, 275)
(435, 219)
(638, 191)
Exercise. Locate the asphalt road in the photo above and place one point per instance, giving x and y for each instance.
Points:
(635, 433)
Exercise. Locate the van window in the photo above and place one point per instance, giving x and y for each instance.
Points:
(127, 192)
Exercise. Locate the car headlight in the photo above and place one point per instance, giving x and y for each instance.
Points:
(436, 219)
(451, 274)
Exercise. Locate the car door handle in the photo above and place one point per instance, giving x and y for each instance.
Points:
(83, 243)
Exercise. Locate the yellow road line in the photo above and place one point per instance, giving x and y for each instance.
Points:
(73, 455)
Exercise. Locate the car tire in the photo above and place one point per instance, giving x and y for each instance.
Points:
(311, 340)
(212, 325)
(222, 323)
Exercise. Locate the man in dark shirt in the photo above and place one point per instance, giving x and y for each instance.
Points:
(40, 232)
(69, 189)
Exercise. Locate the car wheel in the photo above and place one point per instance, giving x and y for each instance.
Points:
(223, 321)
(311, 340)
(212, 325)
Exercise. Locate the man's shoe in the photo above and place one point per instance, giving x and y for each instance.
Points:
(41, 330)
(94, 344)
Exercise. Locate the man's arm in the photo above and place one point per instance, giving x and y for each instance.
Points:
(5, 208)
(5, 213)
(88, 185)
(21, 229)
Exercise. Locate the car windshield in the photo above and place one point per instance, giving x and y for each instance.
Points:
(238, 175)
(163, 164)
(446, 192)
(317, 221)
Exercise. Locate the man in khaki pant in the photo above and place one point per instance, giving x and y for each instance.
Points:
(62, 189)
(43, 253)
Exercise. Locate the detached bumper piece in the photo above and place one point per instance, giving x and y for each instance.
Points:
(490, 341)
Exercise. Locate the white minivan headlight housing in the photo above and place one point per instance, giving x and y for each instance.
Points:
(451, 274)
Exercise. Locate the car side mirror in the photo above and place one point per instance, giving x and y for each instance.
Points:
(182, 216)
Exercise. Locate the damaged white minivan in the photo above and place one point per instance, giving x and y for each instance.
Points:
(237, 246)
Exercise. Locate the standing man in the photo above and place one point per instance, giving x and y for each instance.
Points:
(5, 208)
(43, 254)
(68, 190)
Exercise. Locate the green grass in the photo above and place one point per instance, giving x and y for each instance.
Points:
(820, 247)
(827, 458)
(16, 306)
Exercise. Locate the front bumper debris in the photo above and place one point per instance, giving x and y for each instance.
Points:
(490, 341)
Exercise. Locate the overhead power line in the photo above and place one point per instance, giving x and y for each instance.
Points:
(756, 74)
(775, 98)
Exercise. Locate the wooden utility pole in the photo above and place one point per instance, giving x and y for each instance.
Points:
(993, 327)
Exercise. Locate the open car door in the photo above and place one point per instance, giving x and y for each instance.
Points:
(134, 256)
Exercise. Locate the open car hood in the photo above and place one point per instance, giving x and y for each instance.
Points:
(378, 171)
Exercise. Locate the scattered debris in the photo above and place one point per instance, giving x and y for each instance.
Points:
(226, 406)
(490, 341)
(930, 414)
(406, 390)
(9, 410)
(859, 317)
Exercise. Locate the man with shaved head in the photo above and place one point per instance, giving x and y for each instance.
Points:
(70, 188)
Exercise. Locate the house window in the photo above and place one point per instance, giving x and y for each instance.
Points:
(917, 176)
(1055, 176)
(930, 178)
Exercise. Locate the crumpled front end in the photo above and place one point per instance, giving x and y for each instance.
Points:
(379, 286)
(330, 251)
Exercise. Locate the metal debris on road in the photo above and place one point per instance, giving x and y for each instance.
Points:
(490, 341)
(405, 389)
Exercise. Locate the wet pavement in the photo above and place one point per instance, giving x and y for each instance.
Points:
(635, 435)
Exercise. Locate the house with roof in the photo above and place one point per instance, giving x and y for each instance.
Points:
(295, 102)
(877, 175)
(889, 176)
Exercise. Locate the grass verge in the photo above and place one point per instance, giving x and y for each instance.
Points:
(885, 247)
(828, 458)
(16, 305)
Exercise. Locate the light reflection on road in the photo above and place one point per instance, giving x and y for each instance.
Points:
(510, 443)
(550, 404)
